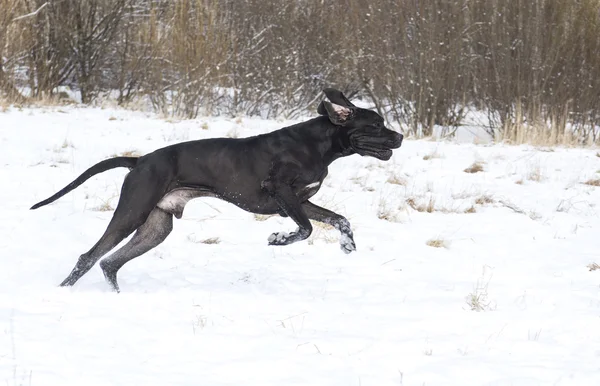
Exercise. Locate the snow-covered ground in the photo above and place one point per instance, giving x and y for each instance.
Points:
(506, 299)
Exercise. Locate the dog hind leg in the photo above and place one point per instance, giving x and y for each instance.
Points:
(135, 204)
(153, 232)
(113, 235)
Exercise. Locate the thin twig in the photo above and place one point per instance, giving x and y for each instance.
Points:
(32, 13)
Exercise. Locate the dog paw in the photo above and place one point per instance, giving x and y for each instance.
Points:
(347, 244)
(278, 238)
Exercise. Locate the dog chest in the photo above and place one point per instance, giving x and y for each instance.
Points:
(308, 191)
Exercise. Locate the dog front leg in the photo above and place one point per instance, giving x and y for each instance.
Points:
(339, 222)
(290, 205)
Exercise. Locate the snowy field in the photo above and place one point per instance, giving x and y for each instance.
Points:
(459, 279)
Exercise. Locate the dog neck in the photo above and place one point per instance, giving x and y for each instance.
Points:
(338, 144)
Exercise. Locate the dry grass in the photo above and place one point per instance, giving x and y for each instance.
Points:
(598, 154)
(61, 160)
(485, 199)
(428, 207)
(104, 207)
(471, 209)
(535, 173)
(397, 180)
(478, 300)
(262, 217)
(211, 240)
(323, 234)
(593, 267)
(387, 214)
(593, 182)
(128, 153)
(204, 126)
(476, 167)
(322, 225)
(67, 144)
(4, 104)
(437, 243)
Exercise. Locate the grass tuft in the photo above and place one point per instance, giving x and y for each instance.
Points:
(471, 210)
(593, 182)
(437, 243)
(428, 207)
(397, 180)
(593, 267)
(484, 199)
(104, 207)
(262, 217)
(476, 167)
(535, 174)
(211, 240)
(128, 153)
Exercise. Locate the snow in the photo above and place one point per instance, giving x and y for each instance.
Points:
(240, 312)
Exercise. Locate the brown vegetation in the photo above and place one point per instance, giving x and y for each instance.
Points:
(532, 66)
(476, 167)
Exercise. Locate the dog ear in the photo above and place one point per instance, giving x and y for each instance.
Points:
(321, 110)
(338, 115)
(337, 97)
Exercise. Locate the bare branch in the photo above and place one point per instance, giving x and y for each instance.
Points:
(31, 14)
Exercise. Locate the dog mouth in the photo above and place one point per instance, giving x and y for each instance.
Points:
(378, 148)
(381, 153)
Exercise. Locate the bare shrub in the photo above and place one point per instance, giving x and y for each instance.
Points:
(538, 81)
(593, 267)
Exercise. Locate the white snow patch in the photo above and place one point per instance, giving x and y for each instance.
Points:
(243, 313)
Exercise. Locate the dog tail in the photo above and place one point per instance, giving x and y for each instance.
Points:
(102, 166)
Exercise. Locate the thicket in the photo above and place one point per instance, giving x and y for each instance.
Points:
(533, 66)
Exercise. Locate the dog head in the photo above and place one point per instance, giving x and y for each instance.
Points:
(365, 129)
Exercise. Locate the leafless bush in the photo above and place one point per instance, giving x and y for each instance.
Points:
(531, 66)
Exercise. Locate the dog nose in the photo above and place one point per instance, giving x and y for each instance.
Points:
(398, 140)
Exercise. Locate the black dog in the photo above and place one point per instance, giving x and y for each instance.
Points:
(274, 173)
